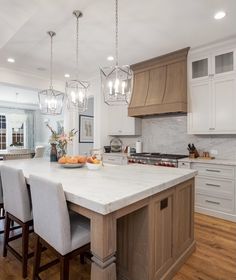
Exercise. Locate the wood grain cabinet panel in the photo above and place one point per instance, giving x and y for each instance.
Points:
(183, 230)
(162, 238)
(140, 87)
(157, 85)
(155, 241)
(176, 83)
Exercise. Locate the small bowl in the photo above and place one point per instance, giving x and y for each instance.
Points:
(93, 166)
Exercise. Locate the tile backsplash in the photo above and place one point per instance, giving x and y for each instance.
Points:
(168, 134)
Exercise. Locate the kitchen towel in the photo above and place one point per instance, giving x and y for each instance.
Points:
(139, 147)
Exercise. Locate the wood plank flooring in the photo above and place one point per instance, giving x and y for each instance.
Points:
(214, 259)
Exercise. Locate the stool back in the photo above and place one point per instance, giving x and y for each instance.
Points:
(15, 193)
(1, 194)
(39, 151)
(50, 213)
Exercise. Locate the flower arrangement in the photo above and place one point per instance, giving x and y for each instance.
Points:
(61, 140)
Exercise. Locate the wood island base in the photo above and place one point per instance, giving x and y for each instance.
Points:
(147, 240)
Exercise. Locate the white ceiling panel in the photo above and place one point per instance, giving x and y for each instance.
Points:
(147, 29)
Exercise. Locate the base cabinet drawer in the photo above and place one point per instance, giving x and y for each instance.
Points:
(118, 160)
(185, 165)
(217, 171)
(218, 187)
(215, 203)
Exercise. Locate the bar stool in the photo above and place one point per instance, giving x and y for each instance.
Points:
(17, 208)
(2, 212)
(66, 233)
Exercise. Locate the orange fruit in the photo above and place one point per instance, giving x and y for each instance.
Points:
(62, 160)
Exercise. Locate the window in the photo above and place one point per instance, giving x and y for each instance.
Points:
(18, 136)
(10, 132)
(3, 132)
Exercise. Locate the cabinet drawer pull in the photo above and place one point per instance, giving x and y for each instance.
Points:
(213, 170)
(164, 203)
(212, 202)
(213, 185)
(211, 128)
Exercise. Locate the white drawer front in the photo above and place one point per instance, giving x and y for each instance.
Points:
(215, 203)
(184, 165)
(214, 170)
(220, 187)
(114, 160)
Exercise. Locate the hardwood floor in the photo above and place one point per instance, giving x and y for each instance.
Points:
(214, 259)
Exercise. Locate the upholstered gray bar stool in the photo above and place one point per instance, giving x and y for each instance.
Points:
(2, 212)
(56, 228)
(17, 208)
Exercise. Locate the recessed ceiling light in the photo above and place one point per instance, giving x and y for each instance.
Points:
(67, 75)
(219, 15)
(110, 58)
(11, 60)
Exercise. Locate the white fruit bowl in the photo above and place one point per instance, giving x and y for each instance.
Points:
(93, 166)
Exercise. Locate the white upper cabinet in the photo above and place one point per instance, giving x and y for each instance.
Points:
(120, 124)
(212, 90)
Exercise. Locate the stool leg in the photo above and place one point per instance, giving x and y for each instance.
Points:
(37, 257)
(64, 268)
(25, 248)
(6, 234)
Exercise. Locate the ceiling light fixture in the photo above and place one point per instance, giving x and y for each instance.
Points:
(110, 58)
(76, 90)
(219, 15)
(67, 75)
(117, 80)
(51, 100)
(11, 60)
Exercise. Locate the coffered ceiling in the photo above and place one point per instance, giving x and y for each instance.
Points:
(147, 29)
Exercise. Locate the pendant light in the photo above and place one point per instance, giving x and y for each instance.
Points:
(117, 80)
(76, 90)
(51, 100)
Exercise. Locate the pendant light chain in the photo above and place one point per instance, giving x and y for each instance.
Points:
(51, 61)
(77, 47)
(117, 39)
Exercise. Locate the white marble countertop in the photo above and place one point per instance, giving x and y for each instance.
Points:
(108, 189)
(210, 161)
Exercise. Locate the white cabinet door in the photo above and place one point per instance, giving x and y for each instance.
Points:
(199, 115)
(120, 124)
(224, 100)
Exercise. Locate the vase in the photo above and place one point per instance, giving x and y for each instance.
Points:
(53, 153)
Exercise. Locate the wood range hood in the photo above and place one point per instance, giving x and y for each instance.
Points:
(160, 85)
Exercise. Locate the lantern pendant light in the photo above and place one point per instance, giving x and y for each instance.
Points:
(76, 90)
(116, 81)
(51, 100)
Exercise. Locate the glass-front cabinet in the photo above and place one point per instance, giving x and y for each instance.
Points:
(212, 90)
(200, 68)
(213, 65)
(224, 63)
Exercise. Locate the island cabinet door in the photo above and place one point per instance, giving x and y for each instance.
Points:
(161, 233)
(184, 217)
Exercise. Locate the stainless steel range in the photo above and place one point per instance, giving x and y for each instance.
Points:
(168, 160)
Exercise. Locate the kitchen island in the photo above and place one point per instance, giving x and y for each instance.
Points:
(141, 216)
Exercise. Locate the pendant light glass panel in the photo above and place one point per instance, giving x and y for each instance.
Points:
(116, 85)
(51, 100)
(77, 99)
(117, 81)
(76, 90)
